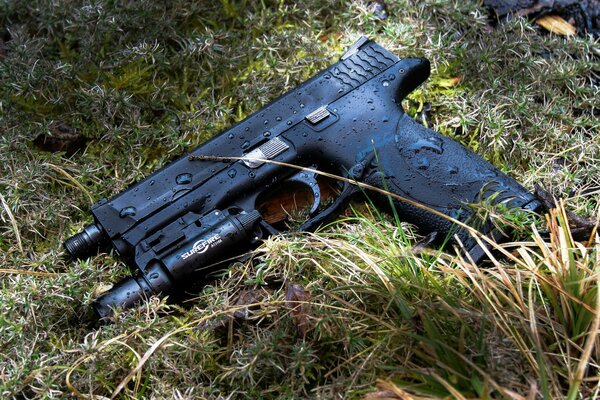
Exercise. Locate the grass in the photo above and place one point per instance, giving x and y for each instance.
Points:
(352, 311)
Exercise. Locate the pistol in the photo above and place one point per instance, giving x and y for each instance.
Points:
(211, 207)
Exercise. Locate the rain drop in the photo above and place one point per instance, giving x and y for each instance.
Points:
(183, 179)
(127, 212)
(431, 144)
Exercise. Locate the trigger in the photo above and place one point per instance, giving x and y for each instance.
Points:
(309, 179)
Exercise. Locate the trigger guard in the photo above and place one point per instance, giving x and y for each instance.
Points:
(309, 179)
(357, 172)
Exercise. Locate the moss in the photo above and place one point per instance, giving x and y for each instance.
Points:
(145, 81)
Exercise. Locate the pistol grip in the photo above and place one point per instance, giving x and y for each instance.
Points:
(433, 170)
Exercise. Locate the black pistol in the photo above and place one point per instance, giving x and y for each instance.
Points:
(207, 209)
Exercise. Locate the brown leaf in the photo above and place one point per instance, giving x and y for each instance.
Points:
(296, 299)
(251, 298)
(327, 36)
(424, 242)
(449, 82)
(61, 138)
(556, 24)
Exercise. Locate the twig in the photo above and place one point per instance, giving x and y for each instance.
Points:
(27, 272)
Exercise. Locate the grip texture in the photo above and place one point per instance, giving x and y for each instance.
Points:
(438, 172)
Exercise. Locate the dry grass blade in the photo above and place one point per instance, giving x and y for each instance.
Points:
(86, 357)
(13, 223)
(361, 185)
(590, 344)
(555, 324)
(161, 341)
(388, 391)
(71, 179)
(478, 236)
(27, 272)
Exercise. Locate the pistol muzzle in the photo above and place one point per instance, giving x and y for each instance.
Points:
(85, 243)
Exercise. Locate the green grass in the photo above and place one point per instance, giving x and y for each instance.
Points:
(373, 317)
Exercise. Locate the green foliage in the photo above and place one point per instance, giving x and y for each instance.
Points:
(143, 81)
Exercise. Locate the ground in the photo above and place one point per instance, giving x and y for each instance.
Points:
(96, 95)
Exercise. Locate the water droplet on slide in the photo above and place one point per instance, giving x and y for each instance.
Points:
(183, 179)
(127, 212)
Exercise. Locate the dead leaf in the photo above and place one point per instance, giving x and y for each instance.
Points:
(296, 298)
(61, 138)
(556, 24)
(327, 36)
(251, 298)
(449, 82)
